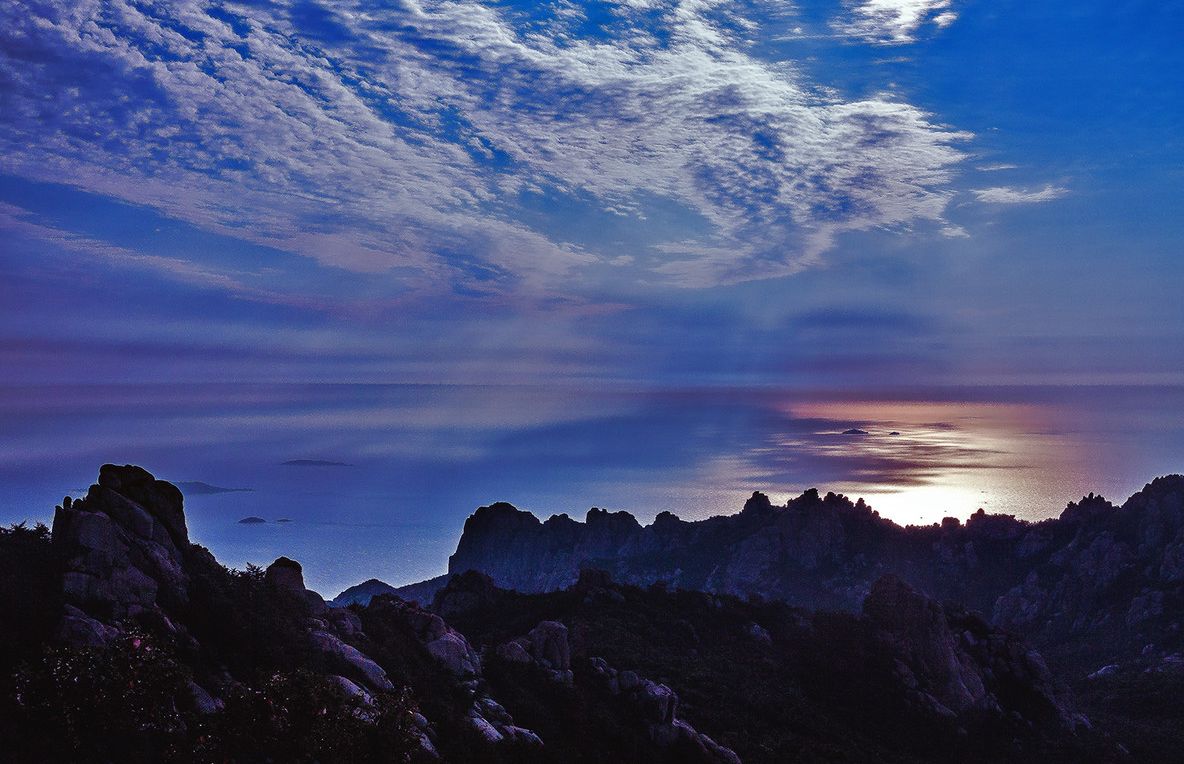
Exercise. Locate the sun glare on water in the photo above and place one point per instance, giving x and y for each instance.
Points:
(919, 461)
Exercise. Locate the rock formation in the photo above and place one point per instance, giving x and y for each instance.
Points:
(128, 562)
(656, 706)
(123, 547)
(1098, 573)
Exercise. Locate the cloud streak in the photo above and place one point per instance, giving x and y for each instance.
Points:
(1012, 195)
(416, 138)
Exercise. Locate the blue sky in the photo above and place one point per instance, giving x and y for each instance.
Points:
(871, 198)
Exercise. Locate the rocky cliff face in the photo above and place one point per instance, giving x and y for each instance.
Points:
(1105, 574)
(954, 663)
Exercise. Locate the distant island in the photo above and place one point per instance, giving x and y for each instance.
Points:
(313, 463)
(252, 520)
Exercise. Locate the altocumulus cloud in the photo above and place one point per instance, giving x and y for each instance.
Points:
(893, 22)
(410, 137)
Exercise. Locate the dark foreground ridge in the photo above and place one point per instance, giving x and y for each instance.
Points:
(124, 642)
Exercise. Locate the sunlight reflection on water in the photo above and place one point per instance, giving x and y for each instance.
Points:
(920, 461)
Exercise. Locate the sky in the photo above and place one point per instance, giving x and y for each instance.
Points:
(644, 255)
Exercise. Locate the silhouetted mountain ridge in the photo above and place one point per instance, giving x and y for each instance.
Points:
(1096, 575)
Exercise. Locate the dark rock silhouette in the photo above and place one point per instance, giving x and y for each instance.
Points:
(128, 563)
(962, 689)
(286, 574)
(1099, 576)
(252, 521)
(122, 544)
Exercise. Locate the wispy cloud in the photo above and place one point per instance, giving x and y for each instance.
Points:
(408, 138)
(893, 22)
(16, 220)
(1012, 195)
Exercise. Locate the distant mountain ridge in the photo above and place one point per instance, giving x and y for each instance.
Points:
(1098, 573)
(361, 594)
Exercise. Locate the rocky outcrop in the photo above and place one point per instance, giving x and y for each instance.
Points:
(464, 593)
(347, 659)
(442, 642)
(524, 554)
(452, 651)
(545, 646)
(656, 706)
(287, 576)
(1098, 573)
(127, 561)
(652, 705)
(127, 565)
(918, 629)
(123, 546)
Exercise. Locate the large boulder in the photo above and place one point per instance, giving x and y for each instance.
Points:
(549, 645)
(349, 661)
(285, 574)
(162, 499)
(453, 651)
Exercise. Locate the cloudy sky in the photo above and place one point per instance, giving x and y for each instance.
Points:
(599, 205)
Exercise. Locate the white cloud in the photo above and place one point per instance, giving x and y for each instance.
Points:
(403, 136)
(893, 22)
(1011, 195)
